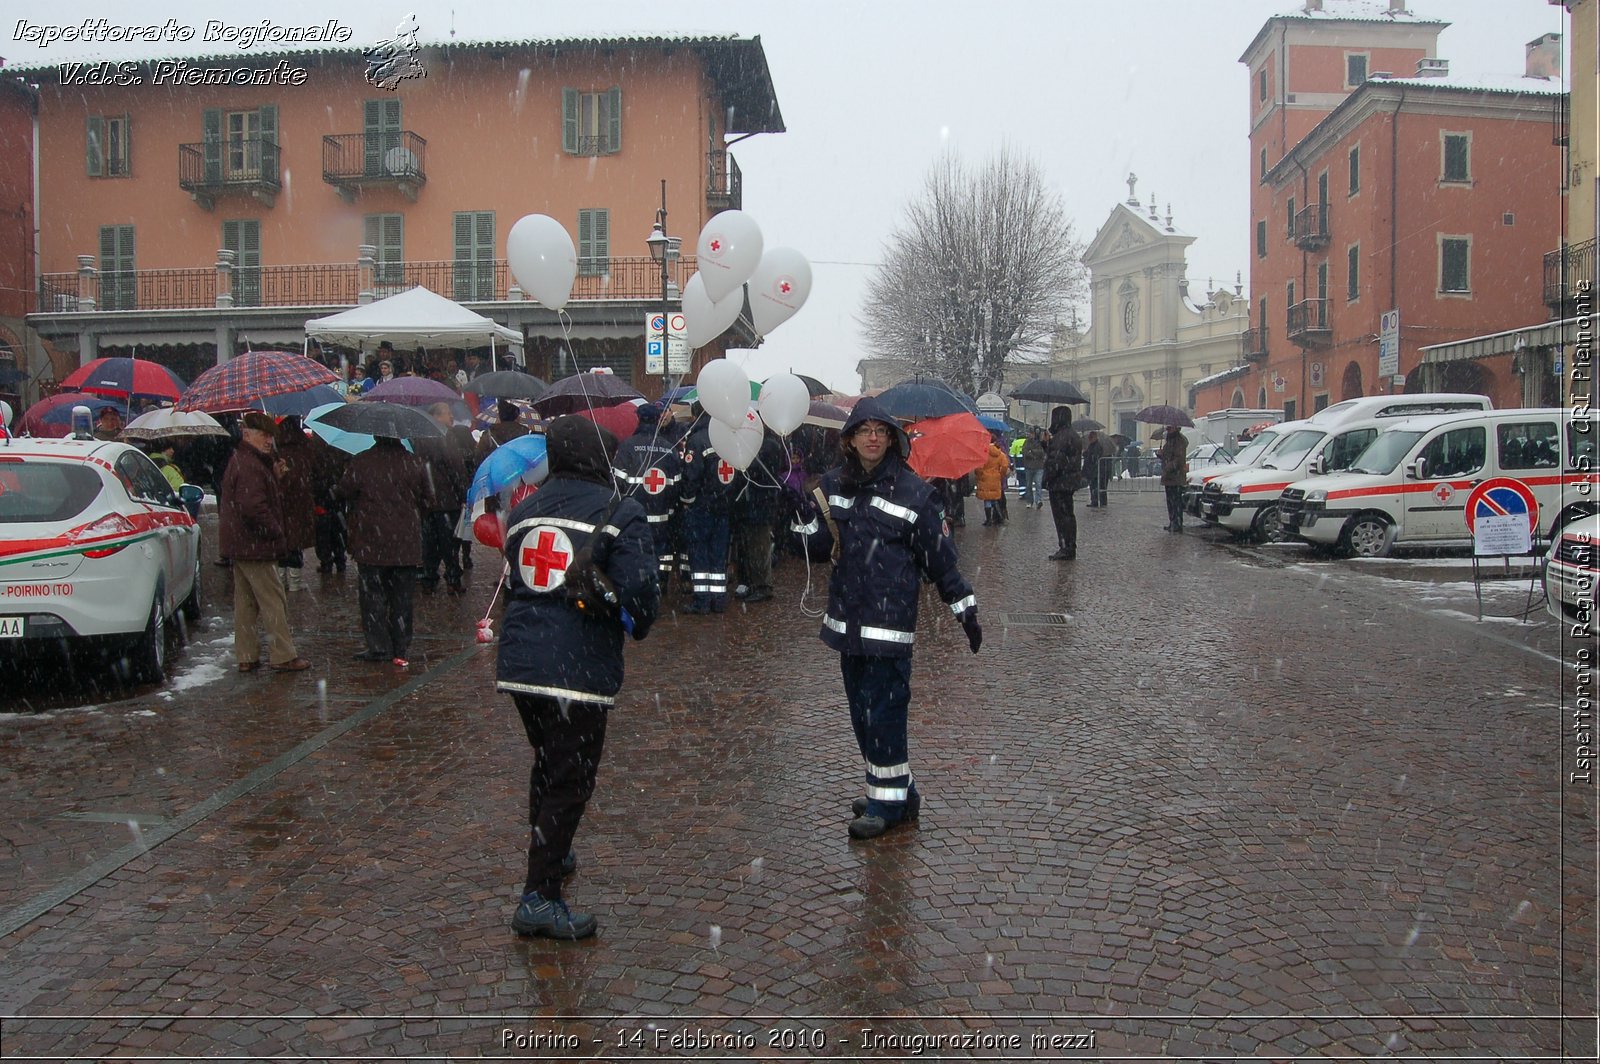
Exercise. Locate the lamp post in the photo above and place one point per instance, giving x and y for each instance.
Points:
(659, 245)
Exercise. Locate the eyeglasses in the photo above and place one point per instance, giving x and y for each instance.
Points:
(872, 431)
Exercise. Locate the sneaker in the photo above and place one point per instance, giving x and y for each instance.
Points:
(1062, 556)
(537, 916)
(401, 663)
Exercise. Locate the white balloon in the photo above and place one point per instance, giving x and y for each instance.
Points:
(704, 320)
(778, 288)
(541, 256)
(724, 391)
(785, 399)
(728, 252)
(738, 445)
(5, 414)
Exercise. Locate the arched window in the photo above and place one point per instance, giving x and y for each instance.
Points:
(1261, 401)
(1237, 401)
(1351, 386)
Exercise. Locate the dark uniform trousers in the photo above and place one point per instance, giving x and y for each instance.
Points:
(386, 594)
(707, 533)
(568, 738)
(879, 691)
(1066, 520)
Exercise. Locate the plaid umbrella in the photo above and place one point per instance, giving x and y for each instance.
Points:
(583, 390)
(244, 380)
(124, 377)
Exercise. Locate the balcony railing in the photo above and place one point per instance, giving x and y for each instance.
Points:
(1255, 344)
(1310, 230)
(246, 166)
(339, 284)
(724, 182)
(1564, 270)
(393, 157)
(1308, 322)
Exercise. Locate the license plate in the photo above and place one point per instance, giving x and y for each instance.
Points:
(1209, 509)
(11, 627)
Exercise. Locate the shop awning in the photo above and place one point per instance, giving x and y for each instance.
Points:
(1545, 334)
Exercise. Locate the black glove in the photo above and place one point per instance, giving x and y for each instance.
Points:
(969, 621)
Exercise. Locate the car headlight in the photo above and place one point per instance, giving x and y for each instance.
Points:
(1317, 495)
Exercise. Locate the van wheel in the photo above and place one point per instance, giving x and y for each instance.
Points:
(147, 658)
(1268, 526)
(1365, 536)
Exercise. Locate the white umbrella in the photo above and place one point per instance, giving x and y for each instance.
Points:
(169, 421)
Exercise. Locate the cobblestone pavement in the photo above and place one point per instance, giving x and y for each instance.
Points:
(1233, 806)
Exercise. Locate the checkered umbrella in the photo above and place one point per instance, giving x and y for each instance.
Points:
(242, 382)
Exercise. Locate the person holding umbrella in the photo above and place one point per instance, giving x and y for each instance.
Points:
(1063, 475)
(1174, 456)
(387, 491)
(1094, 472)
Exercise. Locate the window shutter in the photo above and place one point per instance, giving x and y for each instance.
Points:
(108, 248)
(269, 142)
(463, 265)
(585, 241)
(94, 146)
(391, 250)
(127, 145)
(230, 238)
(569, 121)
(602, 240)
(372, 231)
(211, 136)
(371, 138)
(614, 120)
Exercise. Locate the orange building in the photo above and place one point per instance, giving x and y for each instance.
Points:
(186, 219)
(1421, 194)
(16, 235)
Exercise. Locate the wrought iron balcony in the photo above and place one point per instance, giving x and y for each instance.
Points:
(1255, 344)
(724, 182)
(1308, 323)
(394, 158)
(1310, 230)
(234, 166)
(1565, 271)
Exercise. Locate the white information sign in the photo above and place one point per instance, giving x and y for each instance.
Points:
(676, 357)
(1497, 534)
(1389, 344)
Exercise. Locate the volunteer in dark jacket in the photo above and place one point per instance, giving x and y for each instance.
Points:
(251, 533)
(1063, 475)
(754, 508)
(386, 490)
(708, 481)
(1174, 473)
(890, 533)
(562, 662)
(448, 476)
(650, 470)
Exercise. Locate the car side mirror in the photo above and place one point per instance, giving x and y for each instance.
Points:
(1319, 466)
(1417, 469)
(191, 496)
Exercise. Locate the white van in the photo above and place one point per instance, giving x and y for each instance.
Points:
(1410, 485)
(1246, 502)
(1252, 455)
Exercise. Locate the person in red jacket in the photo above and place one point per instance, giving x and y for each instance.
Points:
(252, 534)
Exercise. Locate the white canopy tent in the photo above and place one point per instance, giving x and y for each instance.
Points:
(416, 317)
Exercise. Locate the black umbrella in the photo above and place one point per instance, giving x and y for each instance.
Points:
(815, 388)
(582, 391)
(382, 419)
(1046, 390)
(923, 397)
(507, 384)
(1163, 415)
(1087, 424)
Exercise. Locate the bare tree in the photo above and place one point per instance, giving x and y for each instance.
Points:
(978, 276)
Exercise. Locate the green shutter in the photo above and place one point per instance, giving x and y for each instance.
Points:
(602, 240)
(127, 145)
(94, 146)
(211, 136)
(386, 233)
(462, 273)
(269, 144)
(116, 267)
(569, 121)
(483, 255)
(613, 120)
(585, 241)
(372, 140)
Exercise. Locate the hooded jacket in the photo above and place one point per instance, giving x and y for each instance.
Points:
(891, 533)
(649, 449)
(1063, 462)
(549, 646)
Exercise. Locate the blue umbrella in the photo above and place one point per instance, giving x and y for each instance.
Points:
(992, 423)
(524, 458)
(344, 439)
(923, 397)
(301, 403)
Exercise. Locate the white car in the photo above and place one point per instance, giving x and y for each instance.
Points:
(1571, 574)
(95, 547)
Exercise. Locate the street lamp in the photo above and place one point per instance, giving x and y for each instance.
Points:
(660, 244)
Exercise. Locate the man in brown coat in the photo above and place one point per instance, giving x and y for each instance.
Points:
(294, 467)
(251, 533)
(387, 491)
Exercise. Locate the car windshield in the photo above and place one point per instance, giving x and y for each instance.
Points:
(1252, 451)
(1385, 452)
(45, 491)
(1291, 451)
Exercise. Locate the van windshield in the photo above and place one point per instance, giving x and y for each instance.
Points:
(1385, 452)
(1251, 453)
(1292, 450)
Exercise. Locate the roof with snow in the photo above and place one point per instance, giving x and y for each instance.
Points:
(1370, 11)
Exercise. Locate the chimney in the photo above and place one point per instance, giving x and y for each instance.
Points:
(1313, 5)
(1544, 56)
(1433, 68)
(1398, 7)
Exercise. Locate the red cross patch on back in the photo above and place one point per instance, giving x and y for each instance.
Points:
(543, 565)
(654, 480)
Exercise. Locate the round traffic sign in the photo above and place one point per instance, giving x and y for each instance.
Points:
(1499, 496)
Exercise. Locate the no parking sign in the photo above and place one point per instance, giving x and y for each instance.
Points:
(1502, 515)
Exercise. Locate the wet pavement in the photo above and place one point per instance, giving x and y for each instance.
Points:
(1192, 799)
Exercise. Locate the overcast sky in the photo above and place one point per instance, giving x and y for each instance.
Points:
(873, 92)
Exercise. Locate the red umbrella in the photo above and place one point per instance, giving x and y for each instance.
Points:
(621, 420)
(52, 416)
(122, 377)
(244, 380)
(950, 446)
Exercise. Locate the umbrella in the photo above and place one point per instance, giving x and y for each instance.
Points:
(949, 447)
(506, 384)
(124, 377)
(924, 397)
(1087, 424)
(53, 416)
(1163, 415)
(1119, 439)
(583, 390)
(621, 419)
(349, 442)
(688, 393)
(815, 388)
(301, 403)
(169, 422)
(412, 391)
(993, 424)
(825, 415)
(1046, 390)
(382, 419)
(242, 382)
(523, 458)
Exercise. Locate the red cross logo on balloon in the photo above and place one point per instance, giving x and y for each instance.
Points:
(654, 481)
(544, 565)
(715, 245)
(785, 286)
(725, 471)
